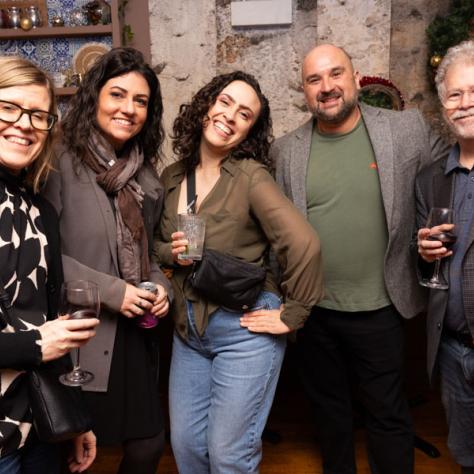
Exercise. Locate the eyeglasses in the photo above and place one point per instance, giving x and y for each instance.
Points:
(39, 119)
(454, 98)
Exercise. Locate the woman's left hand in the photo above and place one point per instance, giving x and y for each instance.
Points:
(85, 450)
(265, 320)
(161, 305)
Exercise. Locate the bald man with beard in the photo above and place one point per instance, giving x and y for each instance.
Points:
(351, 170)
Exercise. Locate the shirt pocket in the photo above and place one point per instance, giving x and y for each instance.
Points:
(222, 231)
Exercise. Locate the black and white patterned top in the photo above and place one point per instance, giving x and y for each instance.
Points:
(23, 273)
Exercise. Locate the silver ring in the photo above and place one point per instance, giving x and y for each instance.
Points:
(140, 302)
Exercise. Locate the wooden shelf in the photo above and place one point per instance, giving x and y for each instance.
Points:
(114, 30)
(56, 31)
(63, 91)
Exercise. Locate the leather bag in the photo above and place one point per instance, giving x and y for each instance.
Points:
(59, 412)
(228, 281)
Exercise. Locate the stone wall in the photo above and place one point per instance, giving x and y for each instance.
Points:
(183, 50)
(409, 54)
(192, 40)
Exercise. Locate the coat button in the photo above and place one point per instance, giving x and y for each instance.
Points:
(439, 325)
(106, 353)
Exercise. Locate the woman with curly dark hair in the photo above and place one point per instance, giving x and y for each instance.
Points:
(109, 200)
(226, 362)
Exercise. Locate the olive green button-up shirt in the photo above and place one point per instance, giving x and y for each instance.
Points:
(245, 214)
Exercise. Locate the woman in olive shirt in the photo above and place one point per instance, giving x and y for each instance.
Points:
(225, 365)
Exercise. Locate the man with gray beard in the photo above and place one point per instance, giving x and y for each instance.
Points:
(449, 183)
(351, 170)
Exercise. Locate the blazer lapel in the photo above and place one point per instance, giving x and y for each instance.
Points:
(105, 208)
(299, 163)
(378, 128)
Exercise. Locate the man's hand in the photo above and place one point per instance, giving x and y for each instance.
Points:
(430, 250)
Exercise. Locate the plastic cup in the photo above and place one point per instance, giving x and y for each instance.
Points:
(194, 229)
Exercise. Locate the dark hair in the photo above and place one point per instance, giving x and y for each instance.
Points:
(187, 127)
(81, 113)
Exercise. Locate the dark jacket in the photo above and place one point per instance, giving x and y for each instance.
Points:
(435, 189)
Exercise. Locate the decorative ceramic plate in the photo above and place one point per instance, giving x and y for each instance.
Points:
(87, 55)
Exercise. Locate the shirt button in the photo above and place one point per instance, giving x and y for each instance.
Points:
(469, 196)
(439, 325)
(472, 178)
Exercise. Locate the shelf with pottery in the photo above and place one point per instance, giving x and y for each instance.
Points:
(57, 31)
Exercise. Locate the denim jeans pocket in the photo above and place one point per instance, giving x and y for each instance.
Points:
(266, 300)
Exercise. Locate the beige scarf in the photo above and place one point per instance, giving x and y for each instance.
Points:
(117, 179)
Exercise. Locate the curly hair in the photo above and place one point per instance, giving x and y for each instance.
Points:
(82, 110)
(188, 125)
(14, 72)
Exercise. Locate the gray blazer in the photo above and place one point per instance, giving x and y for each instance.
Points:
(89, 248)
(403, 144)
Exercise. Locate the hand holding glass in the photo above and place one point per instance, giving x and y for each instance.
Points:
(79, 300)
(194, 229)
(437, 217)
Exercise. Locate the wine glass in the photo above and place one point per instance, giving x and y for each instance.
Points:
(80, 300)
(436, 217)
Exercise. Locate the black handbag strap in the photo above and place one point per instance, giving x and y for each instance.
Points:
(191, 192)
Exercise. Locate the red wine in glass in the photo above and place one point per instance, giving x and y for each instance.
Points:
(84, 314)
(439, 216)
(79, 300)
(448, 239)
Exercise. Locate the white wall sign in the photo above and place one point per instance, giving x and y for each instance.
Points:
(261, 12)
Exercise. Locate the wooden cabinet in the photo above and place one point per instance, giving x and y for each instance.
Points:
(113, 29)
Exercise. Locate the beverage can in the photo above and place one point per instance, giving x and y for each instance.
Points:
(147, 320)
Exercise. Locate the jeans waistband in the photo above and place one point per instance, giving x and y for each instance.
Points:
(464, 338)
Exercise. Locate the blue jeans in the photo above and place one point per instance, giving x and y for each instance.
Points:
(221, 390)
(456, 364)
(35, 458)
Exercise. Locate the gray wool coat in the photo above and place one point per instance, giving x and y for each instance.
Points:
(403, 144)
(89, 249)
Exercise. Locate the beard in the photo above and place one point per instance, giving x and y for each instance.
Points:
(460, 130)
(346, 108)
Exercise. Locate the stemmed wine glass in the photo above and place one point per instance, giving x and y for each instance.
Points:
(437, 217)
(80, 300)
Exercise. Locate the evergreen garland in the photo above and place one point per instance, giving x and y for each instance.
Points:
(448, 31)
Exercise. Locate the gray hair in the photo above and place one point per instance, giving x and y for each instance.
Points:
(461, 53)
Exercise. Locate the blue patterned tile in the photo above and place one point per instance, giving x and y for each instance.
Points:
(56, 54)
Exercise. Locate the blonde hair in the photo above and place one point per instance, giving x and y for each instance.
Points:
(16, 71)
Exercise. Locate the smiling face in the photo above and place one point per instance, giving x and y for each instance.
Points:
(230, 118)
(460, 79)
(20, 143)
(122, 108)
(330, 85)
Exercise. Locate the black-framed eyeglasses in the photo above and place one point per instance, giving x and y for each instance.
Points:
(39, 119)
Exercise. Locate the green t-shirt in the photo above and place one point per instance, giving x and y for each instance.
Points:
(345, 208)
